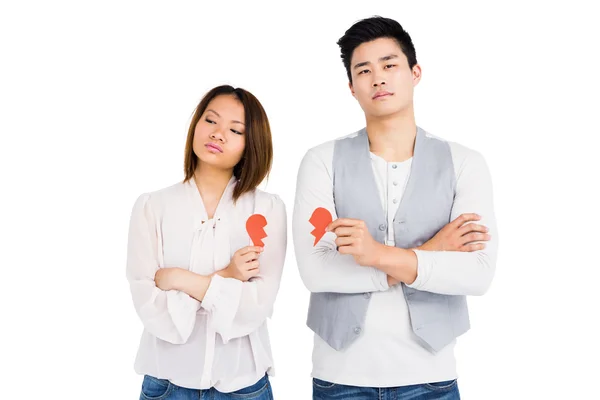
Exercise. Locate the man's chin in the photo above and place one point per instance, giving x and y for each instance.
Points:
(386, 112)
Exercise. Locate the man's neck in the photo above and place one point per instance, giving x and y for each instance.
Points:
(393, 137)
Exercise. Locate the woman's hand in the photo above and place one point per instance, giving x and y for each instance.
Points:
(244, 264)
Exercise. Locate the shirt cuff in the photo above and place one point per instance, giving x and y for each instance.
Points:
(182, 309)
(424, 262)
(222, 300)
(380, 280)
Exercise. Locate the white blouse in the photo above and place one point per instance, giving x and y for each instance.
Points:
(223, 341)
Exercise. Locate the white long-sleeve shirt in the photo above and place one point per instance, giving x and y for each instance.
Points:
(221, 342)
(387, 353)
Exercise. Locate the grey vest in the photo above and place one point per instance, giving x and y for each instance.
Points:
(425, 208)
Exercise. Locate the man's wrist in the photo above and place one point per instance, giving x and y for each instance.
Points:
(400, 264)
(391, 281)
(380, 255)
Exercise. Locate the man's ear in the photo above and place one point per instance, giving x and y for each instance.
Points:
(417, 73)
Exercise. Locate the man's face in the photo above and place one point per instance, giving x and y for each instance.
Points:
(382, 81)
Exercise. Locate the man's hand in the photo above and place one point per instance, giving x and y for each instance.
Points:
(458, 235)
(392, 281)
(353, 238)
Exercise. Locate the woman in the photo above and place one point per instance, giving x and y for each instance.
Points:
(201, 288)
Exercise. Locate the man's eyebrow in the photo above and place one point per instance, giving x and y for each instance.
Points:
(384, 58)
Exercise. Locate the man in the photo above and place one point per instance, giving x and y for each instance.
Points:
(413, 234)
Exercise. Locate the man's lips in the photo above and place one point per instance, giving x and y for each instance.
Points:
(381, 93)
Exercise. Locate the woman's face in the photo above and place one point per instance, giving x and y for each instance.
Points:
(219, 137)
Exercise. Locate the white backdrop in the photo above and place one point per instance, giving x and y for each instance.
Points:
(96, 98)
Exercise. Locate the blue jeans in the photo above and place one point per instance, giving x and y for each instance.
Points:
(162, 389)
(448, 390)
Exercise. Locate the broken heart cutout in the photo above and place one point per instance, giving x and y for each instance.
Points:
(255, 226)
(320, 218)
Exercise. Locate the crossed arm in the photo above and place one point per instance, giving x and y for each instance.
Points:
(459, 259)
